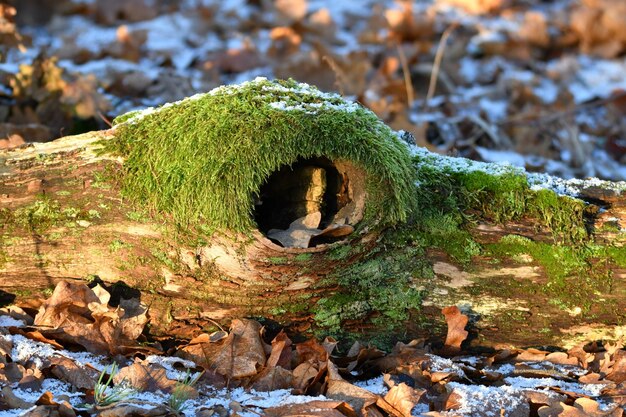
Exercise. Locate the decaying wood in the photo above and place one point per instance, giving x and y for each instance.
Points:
(188, 286)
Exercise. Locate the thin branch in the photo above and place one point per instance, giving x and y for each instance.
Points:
(438, 58)
(408, 84)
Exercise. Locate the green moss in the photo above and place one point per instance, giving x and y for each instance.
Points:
(23, 293)
(117, 245)
(464, 195)
(204, 159)
(39, 215)
(138, 216)
(162, 257)
(446, 232)
(340, 252)
(618, 255)
(563, 215)
(378, 287)
(126, 116)
(4, 256)
(572, 279)
(303, 257)
(277, 260)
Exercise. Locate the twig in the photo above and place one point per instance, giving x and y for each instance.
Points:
(340, 77)
(489, 131)
(408, 84)
(438, 58)
(104, 119)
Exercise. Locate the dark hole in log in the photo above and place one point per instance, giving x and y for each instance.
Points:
(292, 197)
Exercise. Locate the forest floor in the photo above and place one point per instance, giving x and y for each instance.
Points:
(79, 355)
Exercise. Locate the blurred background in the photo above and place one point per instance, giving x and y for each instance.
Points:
(538, 84)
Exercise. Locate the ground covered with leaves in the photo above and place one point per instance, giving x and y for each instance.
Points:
(82, 353)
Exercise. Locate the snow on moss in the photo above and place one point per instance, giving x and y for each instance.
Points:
(536, 181)
(203, 159)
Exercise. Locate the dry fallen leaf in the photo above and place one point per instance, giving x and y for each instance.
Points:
(400, 400)
(340, 389)
(313, 408)
(150, 378)
(306, 374)
(311, 350)
(241, 354)
(273, 378)
(456, 328)
(13, 401)
(77, 314)
(80, 377)
(618, 369)
(281, 351)
(583, 407)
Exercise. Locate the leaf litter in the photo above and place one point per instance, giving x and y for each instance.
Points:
(242, 372)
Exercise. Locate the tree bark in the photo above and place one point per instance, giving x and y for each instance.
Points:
(64, 218)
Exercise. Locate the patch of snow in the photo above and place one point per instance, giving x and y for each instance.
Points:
(168, 362)
(16, 412)
(339, 10)
(504, 369)
(101, 68)
(496, 110)
(547, 91)
(469, 69)
(330, 101)
(55, 386)
(457, 165)
(590, 77)
(481, 400)
(8, 321)
(25, 350)
(86, 35)
(313, 108)
(420, 409)
(520, 382)
(10, 67)
(522, 76)
(500, 156)
(439, 364)
(375, 385)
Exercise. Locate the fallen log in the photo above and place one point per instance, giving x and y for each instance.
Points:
(272, 199)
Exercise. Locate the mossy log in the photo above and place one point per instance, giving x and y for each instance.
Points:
(188, 206)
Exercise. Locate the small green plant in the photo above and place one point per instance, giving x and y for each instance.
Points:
(118, 245)
(182, 390)
(70, 212)
(137, 216)
(105, 393)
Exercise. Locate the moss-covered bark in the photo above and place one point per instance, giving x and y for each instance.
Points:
(530, 265)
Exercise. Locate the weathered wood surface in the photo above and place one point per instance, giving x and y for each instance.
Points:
(64, 219)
